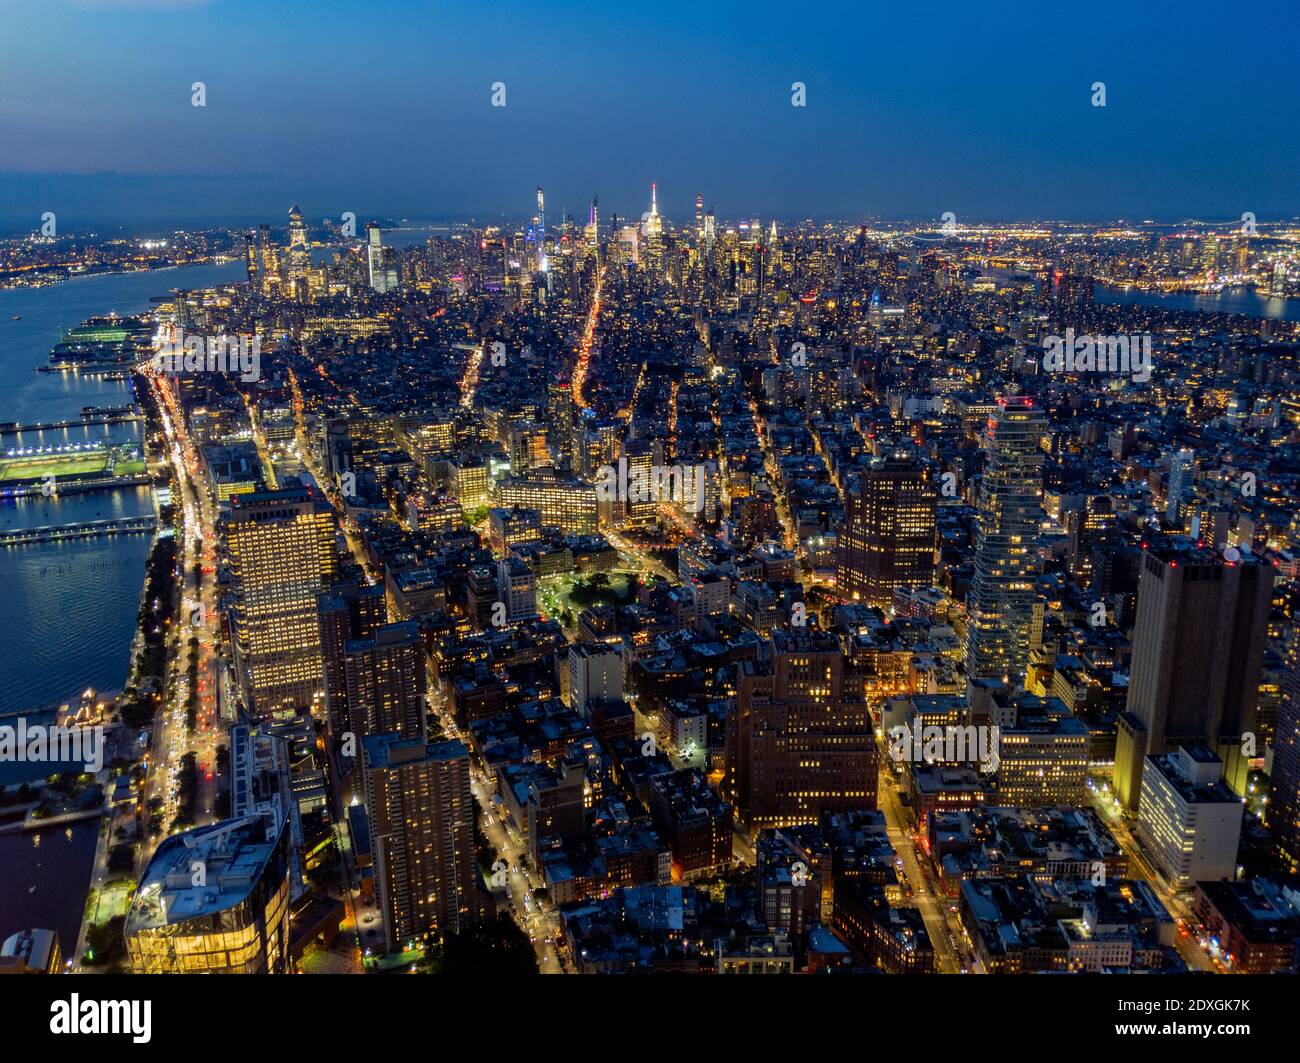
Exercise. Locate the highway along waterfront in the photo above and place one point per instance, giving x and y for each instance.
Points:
(68, 605)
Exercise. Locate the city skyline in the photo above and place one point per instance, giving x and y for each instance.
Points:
(700, 489)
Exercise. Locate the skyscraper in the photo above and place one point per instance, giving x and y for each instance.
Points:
(251, 262)
(1284, 794)
(1198, 651)
(421, 814)
(517, 587)
(542, 264)
(595, 674)
(299, 253)
(280, 544)
(386, 679)
(235, 921)
(888, 536)
(347, 612)
(268, 256)
(1182, 477)
(380, 262)
(1001, 601)
(801, 740)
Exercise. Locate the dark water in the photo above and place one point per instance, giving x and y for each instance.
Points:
(14, 772)
(1229, 301)
(68, 609)
(57, 863)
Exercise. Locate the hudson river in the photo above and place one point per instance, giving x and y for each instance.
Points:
(67, 610)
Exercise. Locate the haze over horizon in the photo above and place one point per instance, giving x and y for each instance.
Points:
(908, 114)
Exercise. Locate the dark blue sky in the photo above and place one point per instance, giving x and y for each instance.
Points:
(384, 109)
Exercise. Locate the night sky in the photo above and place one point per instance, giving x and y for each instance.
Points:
(384, 109)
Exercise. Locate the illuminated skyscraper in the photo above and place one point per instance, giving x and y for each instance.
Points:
(281, 549)
(652, 228)
(592, 232)
(887, 540)
(1284, 794)
(421, 815)
(347, 612)
(251, 262)
(652, 224)
(1001, 601)
(1182, 479)
(380, 262)
(542, 264)
(269, 258)
(386, 677)
(299, 253)
(1198, 651)
(801, 740)
(235, 921)
(517, 590)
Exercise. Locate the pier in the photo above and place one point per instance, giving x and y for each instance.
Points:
(90, 529)
(116, 417)
(77, 487)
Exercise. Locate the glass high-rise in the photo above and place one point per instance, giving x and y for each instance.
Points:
(1001, 602)
(214, 900)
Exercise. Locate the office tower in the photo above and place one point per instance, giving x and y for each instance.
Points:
(1043, 760)
(700, 493)
(528, 447)
(1070, 291)
(592, 232)
(1091, 529)
(235, 920)
(281, 547)
(268, 255)
(556, 807)
(801, 740)
(1182, 478)
(754, 518)
(1001, 601)
(542, 265)
(510, 527)
(517, 588)
(887, 541)
(492, 263)
(596, 445)
(380, 262)
(299, 253)
(1198, 651)
(251, 261)
(595, 674)
(652, 228)
(421, 814)
(560, 417)
(470, 481)
(346, 612)
(639, 508)
(1284, 792)
(569, 505)
(1210, 254)
(1188, 822)
(386, 679)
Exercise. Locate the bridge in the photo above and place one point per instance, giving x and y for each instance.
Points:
(90, 529)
